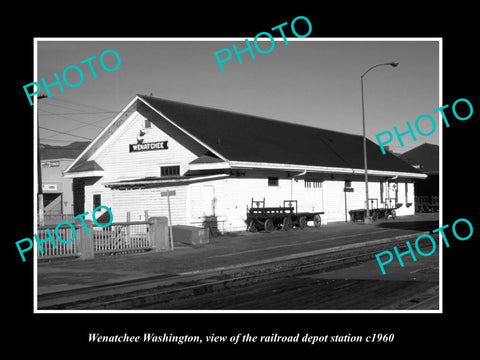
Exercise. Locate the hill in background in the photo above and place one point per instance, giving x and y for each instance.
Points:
(70, 151)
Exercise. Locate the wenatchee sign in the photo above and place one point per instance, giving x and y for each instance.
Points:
(158, 145)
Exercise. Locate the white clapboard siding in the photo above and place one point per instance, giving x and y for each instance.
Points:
(207, 198)
(136, 201)
(334, 200)
(114, 157)
(356, 199)
(97, 189)
(240, 191)
(404, 199)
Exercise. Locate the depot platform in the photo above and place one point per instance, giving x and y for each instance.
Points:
(226, 252)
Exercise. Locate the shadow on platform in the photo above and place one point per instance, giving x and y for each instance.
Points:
(420, 225)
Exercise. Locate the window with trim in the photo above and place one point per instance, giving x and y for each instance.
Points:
(316, 184)
(147, 124)
(170, 170)
(273, 181)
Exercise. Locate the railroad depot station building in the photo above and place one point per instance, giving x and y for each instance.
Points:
(214, 162)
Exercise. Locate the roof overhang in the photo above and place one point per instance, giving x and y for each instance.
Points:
(159, 182)
(209, 166)
(83, 174)
(86, 154)
(322, 169)
(301, 168)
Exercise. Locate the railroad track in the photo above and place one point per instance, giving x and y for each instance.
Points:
(428, 301)
(165, 291)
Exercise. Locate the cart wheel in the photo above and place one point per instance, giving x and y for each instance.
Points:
(269, 225)
(302, 222)
(317, 220)
(394, 214)
(287, 223)
(251, 226)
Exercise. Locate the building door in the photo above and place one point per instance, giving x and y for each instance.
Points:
(78, 186)
(208, 200)
(313, 195)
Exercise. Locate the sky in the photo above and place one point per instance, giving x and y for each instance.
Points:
(308, 81)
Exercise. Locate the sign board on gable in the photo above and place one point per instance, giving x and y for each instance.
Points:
(157, 145)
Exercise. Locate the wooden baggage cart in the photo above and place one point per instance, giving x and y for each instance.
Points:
(376, 213)
(286, 217)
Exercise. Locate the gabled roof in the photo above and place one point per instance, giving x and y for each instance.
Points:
(425, 156)
(90, 165)
(249, 138)
(206, 159)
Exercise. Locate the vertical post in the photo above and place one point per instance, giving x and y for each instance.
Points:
(170, 219)
(159, 233)
(39, 172)
(367, 213)
(291, 188)
(128, 228)
(345, 205)
(39, 180)
(84, 240)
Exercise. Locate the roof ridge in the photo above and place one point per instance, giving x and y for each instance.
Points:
(145, 97)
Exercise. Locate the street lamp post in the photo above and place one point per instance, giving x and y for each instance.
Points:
(41, 210)
(367, 213)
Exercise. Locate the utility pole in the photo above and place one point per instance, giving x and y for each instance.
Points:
(41, 215)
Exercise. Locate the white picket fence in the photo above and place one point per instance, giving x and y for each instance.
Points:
(118, 238)
(122, 237)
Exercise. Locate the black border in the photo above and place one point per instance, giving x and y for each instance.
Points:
(429, 332)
